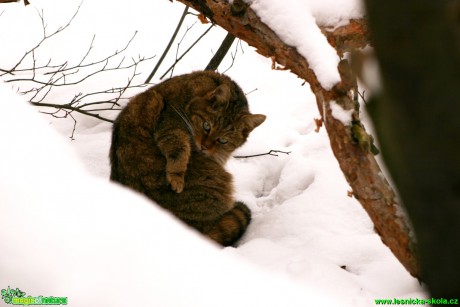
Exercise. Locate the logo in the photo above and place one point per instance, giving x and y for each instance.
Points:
(18, 297)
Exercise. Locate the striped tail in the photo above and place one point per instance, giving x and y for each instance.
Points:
(231, 225)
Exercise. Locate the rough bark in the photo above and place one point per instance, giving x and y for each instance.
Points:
(352, 151)
(417, 121)
(353, 36)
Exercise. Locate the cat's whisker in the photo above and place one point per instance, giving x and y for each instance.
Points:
(220, 159)
(186, 120)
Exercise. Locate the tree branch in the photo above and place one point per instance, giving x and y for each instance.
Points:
(40, 80)
(44, 37)
(357, 163)
(186, 51)
(352, 36)
(165, 52)
(272, 152)
(221, 52)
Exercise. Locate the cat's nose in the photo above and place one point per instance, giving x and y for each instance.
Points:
(203, 148)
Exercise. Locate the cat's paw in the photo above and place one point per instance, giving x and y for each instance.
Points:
(176, 181)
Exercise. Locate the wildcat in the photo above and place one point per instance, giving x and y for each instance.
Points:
(171, 143)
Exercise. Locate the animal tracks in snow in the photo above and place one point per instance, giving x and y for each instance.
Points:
(266, 182)
(286, 182)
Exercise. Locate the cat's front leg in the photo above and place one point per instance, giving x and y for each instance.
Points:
(175, 146)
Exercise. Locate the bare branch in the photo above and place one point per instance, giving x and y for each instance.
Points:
(165, 52)
(221, 52)
(44, 37)
(70, 108)
(252, 91)
(186, 51)
(37, 81)
(233, 55)
(272, 152)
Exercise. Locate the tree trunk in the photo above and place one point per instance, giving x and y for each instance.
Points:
(352, 151)
(418, 125)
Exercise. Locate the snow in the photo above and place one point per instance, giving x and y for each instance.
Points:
(344, 116)
(65, 230)
(295, 24)
(335, 13)
(68, 233)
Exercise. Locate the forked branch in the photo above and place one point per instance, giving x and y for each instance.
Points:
(38, 81)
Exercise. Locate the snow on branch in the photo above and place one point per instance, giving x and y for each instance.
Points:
(356, 161)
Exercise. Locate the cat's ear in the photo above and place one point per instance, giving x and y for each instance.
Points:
(221, 95)
(251, 121)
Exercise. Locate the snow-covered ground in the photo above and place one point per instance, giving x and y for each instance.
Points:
(66, 231)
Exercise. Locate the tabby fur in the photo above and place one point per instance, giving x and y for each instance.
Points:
(171, 143)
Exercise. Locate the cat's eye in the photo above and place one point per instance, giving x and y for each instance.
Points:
(206, 126)
(222, 140)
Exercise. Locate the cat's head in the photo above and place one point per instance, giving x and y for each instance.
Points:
(221, 121)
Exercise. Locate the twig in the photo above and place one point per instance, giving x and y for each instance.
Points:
(186, 51)
(76, 104)
(270, 153)
(45, 37)
(44, 78)
(179, 44)
(173, 37)
(66, 114)
(233, 55)
(362, 96)
(250, 92)
(71, 109)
